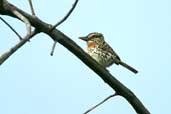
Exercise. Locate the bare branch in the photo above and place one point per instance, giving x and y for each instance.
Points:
(61, 21)
(89, 110)
(66, 16)
(24, 19)
(7, 54)
(31, 6)
(11, 28)
(53, 48)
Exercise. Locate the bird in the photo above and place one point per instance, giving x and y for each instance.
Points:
(101, 51)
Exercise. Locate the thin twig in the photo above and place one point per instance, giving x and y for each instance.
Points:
(61, 21)
(24, 19)
(66, 16)
(31, 6)
(11, 28)
(89, 110)
(7, 54)
(53, 48)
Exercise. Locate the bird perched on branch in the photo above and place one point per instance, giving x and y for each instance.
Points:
(99, 50)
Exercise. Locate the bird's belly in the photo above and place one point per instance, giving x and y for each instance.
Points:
(103, 59)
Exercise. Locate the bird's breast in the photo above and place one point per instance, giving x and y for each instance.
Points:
(92, 45)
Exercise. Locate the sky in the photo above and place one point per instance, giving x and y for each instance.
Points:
(33, 82)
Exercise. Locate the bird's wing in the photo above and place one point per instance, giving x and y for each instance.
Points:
(106, 47)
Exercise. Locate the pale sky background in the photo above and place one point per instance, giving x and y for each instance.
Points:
(33, 82)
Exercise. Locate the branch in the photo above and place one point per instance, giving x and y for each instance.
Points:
(11, 28)
(113, 95)
(61, 21)
(31, 6)
(66, 16)
(53, 48)
(84, 57)
(7, 54)
(24, 19)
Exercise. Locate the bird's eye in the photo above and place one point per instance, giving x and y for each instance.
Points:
(95, 35)
(92, 35)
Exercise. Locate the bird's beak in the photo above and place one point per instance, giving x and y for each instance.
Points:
(83, 38)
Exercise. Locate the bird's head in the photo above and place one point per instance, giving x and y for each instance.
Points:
(93, 37)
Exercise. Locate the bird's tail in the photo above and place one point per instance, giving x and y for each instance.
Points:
(128, 67)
